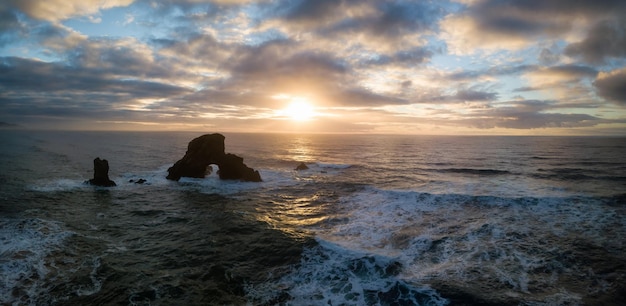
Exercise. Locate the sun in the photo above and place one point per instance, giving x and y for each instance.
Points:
(299, 109)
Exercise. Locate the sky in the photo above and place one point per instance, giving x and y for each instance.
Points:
(465, 67)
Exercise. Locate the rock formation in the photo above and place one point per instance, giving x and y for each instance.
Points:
(101, 173)
(139, 181)
(302, 166)
(206, 150)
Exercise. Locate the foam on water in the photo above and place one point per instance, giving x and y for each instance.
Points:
(332, 275)
(25, 245)
(53, 185)
(332, 166)
(515, 245)
(529, 222)
(210, 184)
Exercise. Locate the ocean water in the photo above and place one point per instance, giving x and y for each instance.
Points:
(376, 220)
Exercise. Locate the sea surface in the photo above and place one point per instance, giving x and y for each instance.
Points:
(375, 220)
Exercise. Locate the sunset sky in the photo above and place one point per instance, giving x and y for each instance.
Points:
(531, 67)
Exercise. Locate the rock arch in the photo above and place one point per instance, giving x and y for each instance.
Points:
(206, 150)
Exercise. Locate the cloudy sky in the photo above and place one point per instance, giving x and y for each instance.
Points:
(538, 67)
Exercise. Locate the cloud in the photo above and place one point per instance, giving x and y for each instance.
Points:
(376, 26)
(58, 10)
(560, 74)
(547, 57)
(313, 11)
(529, 114)
(368, 64)
(612, 85)
(605, 39)
(409, 57)
(490, 73)
(566, 83)
(33, 87)
(514, 24)
(10, 27)
(473, 95)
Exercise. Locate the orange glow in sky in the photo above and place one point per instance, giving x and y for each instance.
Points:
(403, 66)
(299, 109)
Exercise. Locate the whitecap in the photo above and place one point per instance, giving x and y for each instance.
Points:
(25, 245)
(329, 274)
(511, 243)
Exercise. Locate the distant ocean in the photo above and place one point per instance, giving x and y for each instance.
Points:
(375, 220)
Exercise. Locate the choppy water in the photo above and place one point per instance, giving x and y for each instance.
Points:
(376, 220)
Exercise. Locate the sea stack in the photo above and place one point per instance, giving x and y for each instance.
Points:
(206, 150)
(302, 166)
(101, 173)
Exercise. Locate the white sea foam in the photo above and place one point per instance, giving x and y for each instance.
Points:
(56, 185)
(332, 275)
(25, 245)
(333, 166)
(96, 282)
(510, 241)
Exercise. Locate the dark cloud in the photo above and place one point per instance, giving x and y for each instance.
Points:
(605, 39)
(548, 57)
(410, 57)
(40, 88)
(391, 20)
(312, 10)
(612, 86)
(474, 95)
(10, 27)
(560, 6)
(388, 21)
(515, 21)
(397, 18)
(526, 88)
(530, 114)
(363, 97)
(280, 58)
(573, 70)
(118, 57)
(520, 120)
(194, 45)
(490, 72)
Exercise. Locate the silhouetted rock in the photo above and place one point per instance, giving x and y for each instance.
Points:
(232, 168)
(139, 181)
(302, 166)
(206, 150)
(101, 173)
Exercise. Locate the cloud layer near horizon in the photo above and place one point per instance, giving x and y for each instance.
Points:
(481, 67)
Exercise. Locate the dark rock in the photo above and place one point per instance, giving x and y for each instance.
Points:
(139, 181)
(232, 168)
(201, 152)
(302, 166)
(206, 150)
(101, 173)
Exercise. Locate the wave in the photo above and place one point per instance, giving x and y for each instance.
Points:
(456, 242)
(332, 275)
(473, 171)
(332, 166)
(26, 245)
(575, 174)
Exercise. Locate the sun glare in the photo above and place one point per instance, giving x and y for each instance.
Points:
(299, 109)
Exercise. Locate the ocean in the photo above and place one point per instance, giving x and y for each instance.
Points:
(375, 220)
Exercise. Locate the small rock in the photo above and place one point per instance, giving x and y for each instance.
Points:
(302, 166)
